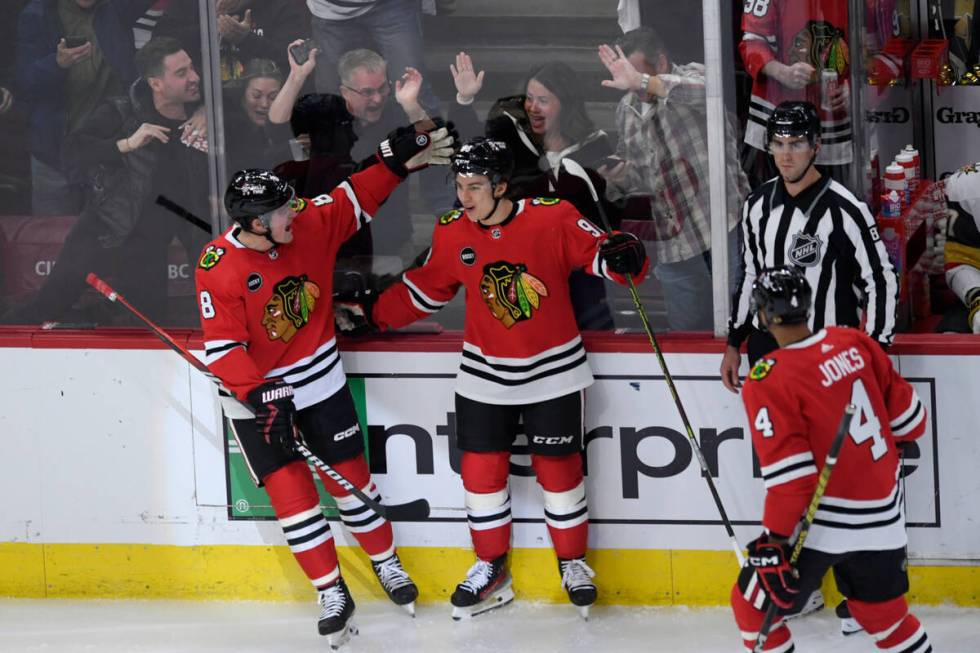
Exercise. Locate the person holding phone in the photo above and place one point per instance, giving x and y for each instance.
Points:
(65, 73)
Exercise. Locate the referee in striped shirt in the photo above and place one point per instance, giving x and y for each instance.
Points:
(804, 218)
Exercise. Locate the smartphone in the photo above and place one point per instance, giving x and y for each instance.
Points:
(75, 41)
(301, 51)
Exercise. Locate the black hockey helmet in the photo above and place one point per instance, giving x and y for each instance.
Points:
(793, 118)
(484, 156)
(254, 193)
(783, 293)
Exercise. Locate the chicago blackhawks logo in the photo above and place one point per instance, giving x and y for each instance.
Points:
(450, 216)
(762, 368)
(290, 307)
(821, 45)
(545, 201)
(211, 257)
(510, 292)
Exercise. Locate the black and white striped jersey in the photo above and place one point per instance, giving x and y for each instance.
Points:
(831, 236)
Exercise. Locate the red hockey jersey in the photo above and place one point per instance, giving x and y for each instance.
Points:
(795, 398)
(521, 343)
(791, 31)
(270, 314)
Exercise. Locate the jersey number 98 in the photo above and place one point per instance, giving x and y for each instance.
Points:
(757, 8)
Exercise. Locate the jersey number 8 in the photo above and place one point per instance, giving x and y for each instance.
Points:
(207, 307)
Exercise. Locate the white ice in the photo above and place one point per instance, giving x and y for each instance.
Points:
(56, 626)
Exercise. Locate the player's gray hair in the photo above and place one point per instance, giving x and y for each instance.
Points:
(360, 58)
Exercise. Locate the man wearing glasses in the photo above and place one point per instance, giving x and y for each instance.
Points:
(341, 129)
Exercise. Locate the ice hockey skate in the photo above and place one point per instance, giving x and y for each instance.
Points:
(336, 614)
(848, 624)
(396, 583)
(487, 586)
(576, 578)
(813, 604)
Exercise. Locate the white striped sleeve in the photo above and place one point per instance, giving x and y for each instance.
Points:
(788, 469)
(421, 300)
(910, 419)
(215, 350)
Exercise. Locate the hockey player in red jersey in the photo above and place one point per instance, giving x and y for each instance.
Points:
(794, 398)
(264, 289)
(798, 51)
(522, 357)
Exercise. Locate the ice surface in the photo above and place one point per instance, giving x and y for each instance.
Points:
(185, 627)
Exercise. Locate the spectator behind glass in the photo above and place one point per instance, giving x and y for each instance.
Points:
(132, 150)
(544, 125)
(247, 29)
(15, 163)
(251, 141)
(342, 130)
(62, 85)
(785, 47)
(663, 176)
(393, 27)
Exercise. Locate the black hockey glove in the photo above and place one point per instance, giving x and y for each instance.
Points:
(623, 253)
(770, 559)
(354, 296)
(417, 146)
(275, 414)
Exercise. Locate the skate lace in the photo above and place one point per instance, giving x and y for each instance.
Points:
(332, 602)
(575, 573)
(478, 576)
(391, 574)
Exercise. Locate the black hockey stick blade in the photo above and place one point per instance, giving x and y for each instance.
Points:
(417, 510)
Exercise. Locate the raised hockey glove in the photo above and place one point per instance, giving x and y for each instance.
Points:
(413, 148)
(275, 414)
(770, 559)
(623, 253)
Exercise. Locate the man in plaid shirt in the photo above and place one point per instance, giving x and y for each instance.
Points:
(663, 176)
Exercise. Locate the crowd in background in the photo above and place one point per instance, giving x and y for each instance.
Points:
(104, 121)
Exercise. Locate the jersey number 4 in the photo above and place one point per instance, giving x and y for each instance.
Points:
(865, 425)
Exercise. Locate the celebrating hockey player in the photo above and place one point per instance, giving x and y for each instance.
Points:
(794, 398)
(264, 289)
(522, 357)
(962, 250)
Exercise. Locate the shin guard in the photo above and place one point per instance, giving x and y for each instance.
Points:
(565, 509)
(487, 502)
(749, 617)
(297, 505)
(891, 625)
(371, 530)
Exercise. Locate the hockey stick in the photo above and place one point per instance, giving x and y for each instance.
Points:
(811, 511)
(417, 510)
(576, 170)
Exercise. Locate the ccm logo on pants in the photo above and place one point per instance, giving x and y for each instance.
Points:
(346, 433)
(553, 439)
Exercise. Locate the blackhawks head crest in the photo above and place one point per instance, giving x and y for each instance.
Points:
(290, 307)
(823, 46)
(510, 292)
(211, 256)
(450, 216)
(762, 369)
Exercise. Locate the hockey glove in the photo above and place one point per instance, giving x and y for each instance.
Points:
(770, 559)
(623, 253)
(353, 299)
(275, 414)
(410, 148)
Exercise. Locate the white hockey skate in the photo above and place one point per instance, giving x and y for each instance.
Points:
(848, 624)
(336, 614)
(488, 586)
(813, 604)
(576, 578)
(396, 583)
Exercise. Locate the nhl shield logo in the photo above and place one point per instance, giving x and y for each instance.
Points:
(805, 250)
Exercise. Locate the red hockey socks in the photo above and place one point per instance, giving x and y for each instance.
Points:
(371, 530)
(891, 625)
(297, 504)
(565, 508)
(749, 615)
(487, 502)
